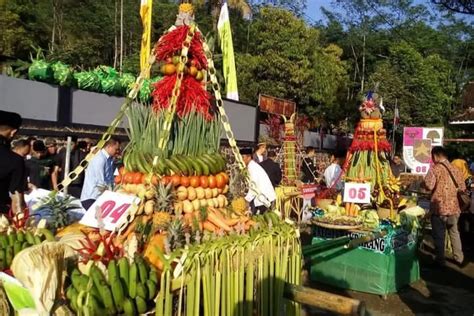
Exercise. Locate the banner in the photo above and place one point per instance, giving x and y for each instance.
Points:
(227, 47)
(146, 7)
(417, 144)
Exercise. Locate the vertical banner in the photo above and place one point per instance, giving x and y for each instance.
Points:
(227, 47)
(417, 144)
(146, 7)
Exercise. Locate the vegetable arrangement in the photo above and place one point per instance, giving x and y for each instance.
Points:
(122, 288)
(14, 241)
(189, 247)
(368, 161)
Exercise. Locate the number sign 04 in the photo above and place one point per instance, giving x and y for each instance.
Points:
(113, 206)
(357, 192)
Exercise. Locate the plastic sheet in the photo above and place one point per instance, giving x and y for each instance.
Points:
(382, 266)
(40, 70)
(109, 80)
(62, 74)
(87, 80)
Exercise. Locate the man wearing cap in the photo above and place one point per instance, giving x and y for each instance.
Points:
(259, 201)
(260, 152)
(12, 166)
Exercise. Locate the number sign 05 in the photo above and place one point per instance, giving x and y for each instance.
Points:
(357, 192)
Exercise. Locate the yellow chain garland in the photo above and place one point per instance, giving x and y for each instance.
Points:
(73, 175)
(226, 124)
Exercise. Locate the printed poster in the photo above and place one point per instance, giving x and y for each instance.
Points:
(417, 144)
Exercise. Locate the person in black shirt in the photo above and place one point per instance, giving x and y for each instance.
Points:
(272, 168)
(12, 165)
(75, 188)
(40, 167)
(308, 167)
(21, 147)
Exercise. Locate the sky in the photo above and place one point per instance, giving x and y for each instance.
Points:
(313, 10)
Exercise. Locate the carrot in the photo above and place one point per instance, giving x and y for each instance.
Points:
(232, 221)
(209, 226)
(214, 219)
(130, 229)
(348, 209)
(250, 222)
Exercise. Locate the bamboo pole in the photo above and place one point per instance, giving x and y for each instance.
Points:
(323, 300)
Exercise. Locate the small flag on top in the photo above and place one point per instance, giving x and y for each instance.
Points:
(396, 117)
(227, 47)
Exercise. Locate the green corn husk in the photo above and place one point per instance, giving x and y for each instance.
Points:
(40, 70)
(126, 82)
(62, 74)
(87, 80)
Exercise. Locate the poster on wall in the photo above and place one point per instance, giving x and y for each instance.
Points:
(417, 144)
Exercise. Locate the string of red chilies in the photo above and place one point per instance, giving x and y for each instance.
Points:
(171, 44)
(192, 96)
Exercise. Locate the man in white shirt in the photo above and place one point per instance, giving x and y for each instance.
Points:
(333, 173)
(262, 200)
(99, 172)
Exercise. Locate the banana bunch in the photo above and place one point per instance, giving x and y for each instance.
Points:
(394, 184)
(13, 242)
(127, 289)
(205, 164)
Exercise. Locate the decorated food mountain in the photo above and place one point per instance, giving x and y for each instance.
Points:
(368, 157)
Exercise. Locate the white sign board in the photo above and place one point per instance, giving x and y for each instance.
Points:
(109, 210)
(417, 144)
(357, 192)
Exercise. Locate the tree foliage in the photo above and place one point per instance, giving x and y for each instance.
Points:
(420, 56)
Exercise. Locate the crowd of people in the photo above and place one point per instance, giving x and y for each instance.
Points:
(29, 163)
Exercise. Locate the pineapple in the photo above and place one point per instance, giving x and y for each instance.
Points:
(175, 234)
(163, 206)
(239, 205)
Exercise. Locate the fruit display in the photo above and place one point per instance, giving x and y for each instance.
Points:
(189, 246)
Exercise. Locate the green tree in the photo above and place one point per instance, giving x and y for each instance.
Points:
(279, 56)
(421, 86)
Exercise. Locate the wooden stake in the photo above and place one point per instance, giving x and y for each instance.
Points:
(323, 300)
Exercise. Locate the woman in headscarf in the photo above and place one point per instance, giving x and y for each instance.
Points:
(461, 164)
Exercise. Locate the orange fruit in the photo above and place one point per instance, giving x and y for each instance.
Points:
(220, 181)
(176, 180)
(193, 71)
(166, 180)
(185, 181)
(204, 182)
(128, 177)
(137, 178)
(212, 182)
(225, 176)
(168, 69)
(194, 181)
